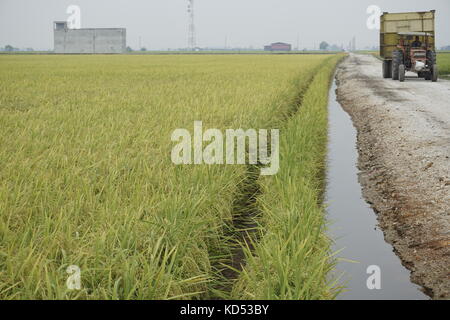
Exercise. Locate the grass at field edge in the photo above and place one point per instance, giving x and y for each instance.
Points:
(293, 258)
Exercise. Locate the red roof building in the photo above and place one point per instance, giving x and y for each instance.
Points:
(278, 46)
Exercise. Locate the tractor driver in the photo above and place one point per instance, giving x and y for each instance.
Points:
(417, 43)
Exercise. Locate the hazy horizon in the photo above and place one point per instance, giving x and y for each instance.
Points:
(163, 24)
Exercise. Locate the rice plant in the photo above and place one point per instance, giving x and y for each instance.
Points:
(86, 177)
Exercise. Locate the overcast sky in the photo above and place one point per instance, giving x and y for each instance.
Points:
(162, 24)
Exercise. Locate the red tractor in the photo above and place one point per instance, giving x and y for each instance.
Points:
(415, 53)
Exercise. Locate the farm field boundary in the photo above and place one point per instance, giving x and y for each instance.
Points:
(243, 232)
(293, 258)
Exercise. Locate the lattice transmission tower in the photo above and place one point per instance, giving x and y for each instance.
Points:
(191, 35)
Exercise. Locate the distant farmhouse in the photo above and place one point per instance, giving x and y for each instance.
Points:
(89, 40)
(278, 46)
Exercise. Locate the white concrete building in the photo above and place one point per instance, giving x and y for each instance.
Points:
(88, 40)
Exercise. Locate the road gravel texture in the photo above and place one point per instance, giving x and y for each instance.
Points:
(404, 156)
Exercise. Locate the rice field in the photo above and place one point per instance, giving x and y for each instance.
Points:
(444, 63)
(87, 179)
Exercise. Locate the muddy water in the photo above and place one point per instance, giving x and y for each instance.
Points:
(353, 224)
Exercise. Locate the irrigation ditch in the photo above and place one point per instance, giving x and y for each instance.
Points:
(354, 227)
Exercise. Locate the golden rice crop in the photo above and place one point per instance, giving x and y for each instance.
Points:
(86, 177)
(293, 259)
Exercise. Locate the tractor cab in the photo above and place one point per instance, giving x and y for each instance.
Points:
(415, 53)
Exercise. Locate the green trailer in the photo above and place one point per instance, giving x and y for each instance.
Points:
(408, 43)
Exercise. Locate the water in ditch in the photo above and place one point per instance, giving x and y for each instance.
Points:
(353, 224)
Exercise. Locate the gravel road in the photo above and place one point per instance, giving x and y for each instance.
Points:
(404, 150)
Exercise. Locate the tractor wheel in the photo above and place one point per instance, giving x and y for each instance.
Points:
(401, 73)
(434, 75)
(387, 73)
(431, 61)
(397, 60)
(431, 58)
